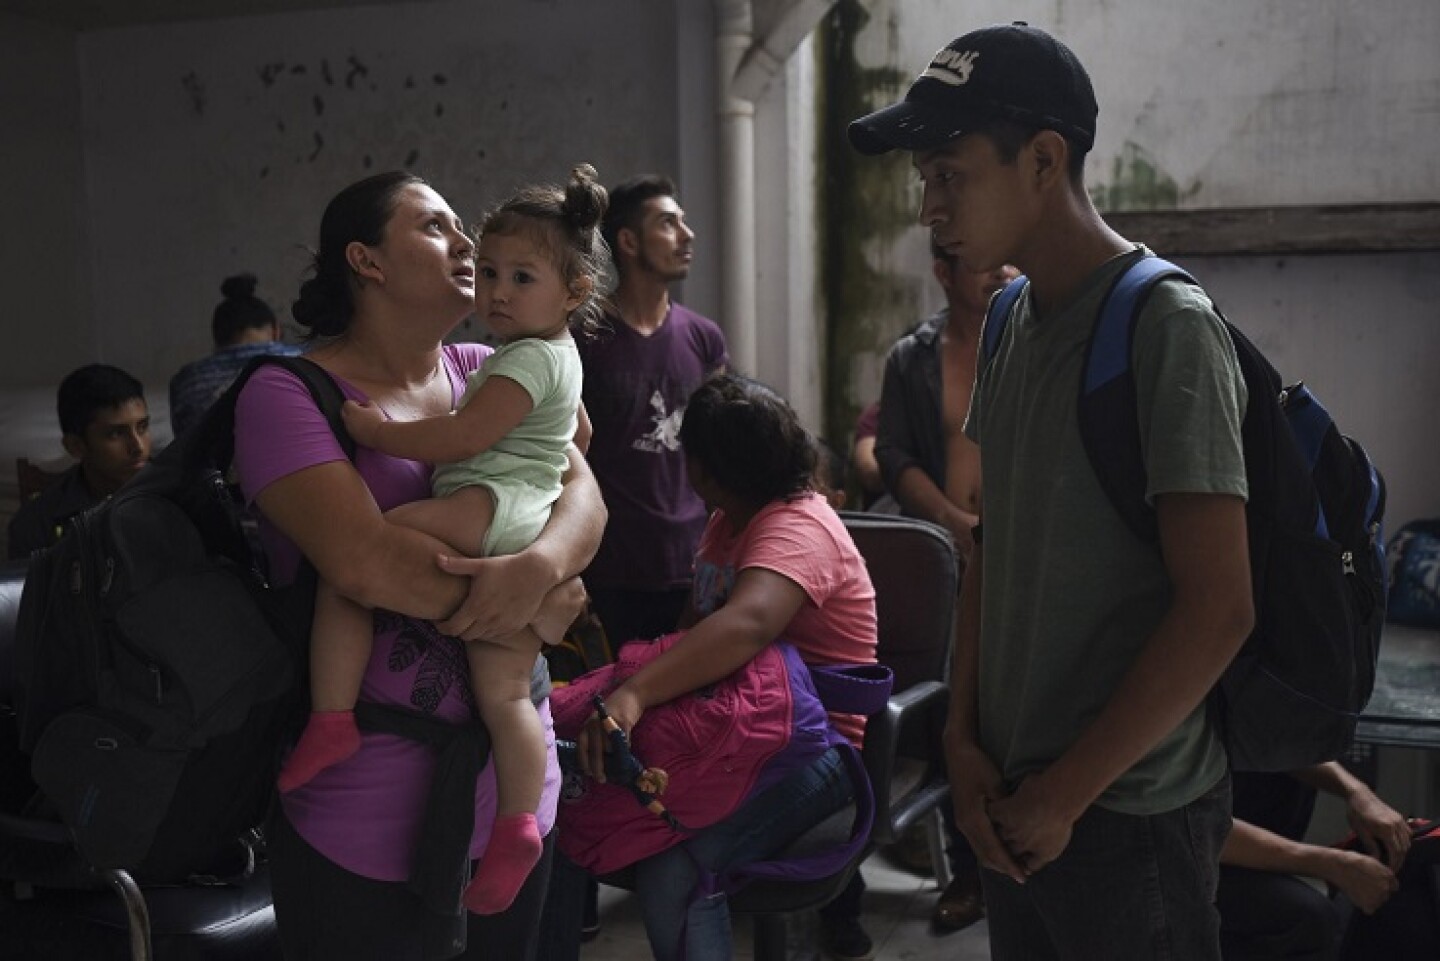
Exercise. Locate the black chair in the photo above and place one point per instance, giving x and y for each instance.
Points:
(58, 906)
(31, 479)
(916, 573)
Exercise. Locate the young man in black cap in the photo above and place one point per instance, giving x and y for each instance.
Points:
(1084, 769)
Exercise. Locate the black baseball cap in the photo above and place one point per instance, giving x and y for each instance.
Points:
(1005, 72)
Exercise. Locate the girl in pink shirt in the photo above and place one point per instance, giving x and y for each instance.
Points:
(775, 561)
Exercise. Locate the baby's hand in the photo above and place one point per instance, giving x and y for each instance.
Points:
(362, 421)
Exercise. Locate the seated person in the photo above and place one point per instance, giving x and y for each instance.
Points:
(829, 480)
(243, 328)
(1266, 911)
(867, 468)
(775, 561)
(105, 426)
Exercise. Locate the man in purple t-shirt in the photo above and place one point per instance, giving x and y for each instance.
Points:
(638, 377)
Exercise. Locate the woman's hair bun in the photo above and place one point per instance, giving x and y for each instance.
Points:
(238, 287)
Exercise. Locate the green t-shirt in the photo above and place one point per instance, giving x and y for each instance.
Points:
(1070, 594)
(533, 452)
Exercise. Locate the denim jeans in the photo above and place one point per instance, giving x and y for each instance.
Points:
(700, 930)
(1141, 888)
(1265, 914)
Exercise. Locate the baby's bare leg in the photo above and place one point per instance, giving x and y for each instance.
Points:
(340, 641)
(500, 677)
(460, 519)
(500, 674)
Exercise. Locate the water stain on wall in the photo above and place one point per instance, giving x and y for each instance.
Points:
(1138, 182)
(195, 89)
(357, 70)
(863, 203)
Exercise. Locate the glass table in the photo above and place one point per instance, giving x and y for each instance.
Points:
(1404, 710)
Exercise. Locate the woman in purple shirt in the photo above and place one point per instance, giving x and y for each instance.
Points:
(394, 275)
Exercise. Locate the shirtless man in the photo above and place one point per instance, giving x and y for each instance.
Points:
(929, 465)
(933, 470)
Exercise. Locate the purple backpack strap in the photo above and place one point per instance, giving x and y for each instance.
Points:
(853, 688)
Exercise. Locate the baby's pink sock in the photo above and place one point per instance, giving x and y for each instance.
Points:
(329, 737)
(514, 848)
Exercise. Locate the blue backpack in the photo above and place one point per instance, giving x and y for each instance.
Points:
(1293, 694)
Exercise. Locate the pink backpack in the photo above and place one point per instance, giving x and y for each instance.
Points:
(719, 746)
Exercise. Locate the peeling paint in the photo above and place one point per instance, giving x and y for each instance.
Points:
(269, 71)
(319, 105)
(412, 157)
(440, 80)
(863, 202)
(196, 90)
(319, 146)
(325, 73)
(356, 71)
(439, 110)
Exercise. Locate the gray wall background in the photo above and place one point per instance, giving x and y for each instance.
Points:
(139, 165)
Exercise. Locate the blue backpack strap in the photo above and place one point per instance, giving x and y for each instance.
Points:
(1310, 422)
(997, 317)
(1109, 406)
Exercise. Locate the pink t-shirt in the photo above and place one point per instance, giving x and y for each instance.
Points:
(365, 813)
(803, 540)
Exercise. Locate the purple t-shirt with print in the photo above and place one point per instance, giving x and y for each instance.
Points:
(636, 389)
(365, 813)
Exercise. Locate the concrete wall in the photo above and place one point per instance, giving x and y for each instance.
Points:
(44, 252)
(210, 147)
(1201, 110)
(1361, 332)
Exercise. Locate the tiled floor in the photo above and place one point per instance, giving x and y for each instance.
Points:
(897, 915)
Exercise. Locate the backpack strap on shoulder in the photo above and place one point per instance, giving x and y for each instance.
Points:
(997, 317)
(1108, 409)
(211, 442)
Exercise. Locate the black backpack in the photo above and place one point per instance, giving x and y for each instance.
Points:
(157, 671)
(1293, 694)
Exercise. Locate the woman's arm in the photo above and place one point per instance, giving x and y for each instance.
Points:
(330, 515)
(583, 429)
(1365, 881)
(1382, 830)
(508, 591)
(495, 409)
(759, 608)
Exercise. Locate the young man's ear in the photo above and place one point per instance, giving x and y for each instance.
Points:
(362, 262)
(628, 241)
(74, 445)
(1050, 158)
